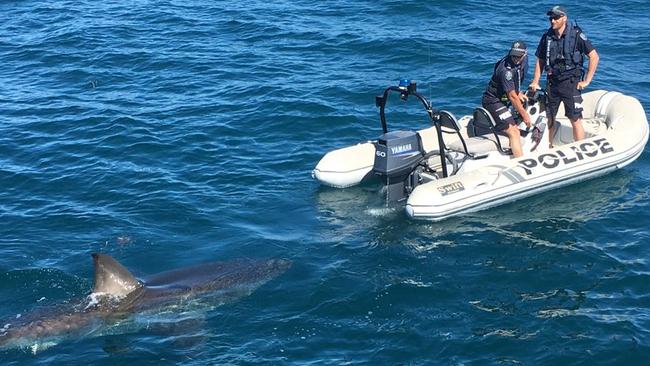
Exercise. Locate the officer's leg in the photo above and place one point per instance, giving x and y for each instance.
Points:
(515, 141)
(578, 130)
(505, 122)
(572, 99)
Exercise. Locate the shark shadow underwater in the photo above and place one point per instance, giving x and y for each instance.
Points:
(118, 298)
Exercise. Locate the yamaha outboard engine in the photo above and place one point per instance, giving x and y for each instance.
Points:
(397, 154)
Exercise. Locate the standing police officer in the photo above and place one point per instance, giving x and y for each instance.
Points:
(560, 54)
(509, 73)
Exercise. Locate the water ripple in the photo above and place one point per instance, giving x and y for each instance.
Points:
(170, 133)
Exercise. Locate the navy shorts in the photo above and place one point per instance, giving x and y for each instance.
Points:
(565, 91)
(501, 114)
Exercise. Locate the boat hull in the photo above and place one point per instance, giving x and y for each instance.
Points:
(618, 141)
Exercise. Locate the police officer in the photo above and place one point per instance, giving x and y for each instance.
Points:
(560, 54)
(505, 85)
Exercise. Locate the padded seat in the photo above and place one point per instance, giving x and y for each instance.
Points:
(481, 145)
(483, 136)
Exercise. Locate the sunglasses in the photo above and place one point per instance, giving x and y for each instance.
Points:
(555, 17)
(517, 58)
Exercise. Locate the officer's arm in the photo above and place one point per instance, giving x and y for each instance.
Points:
(593, 64)
(534, 84)
(514, 99)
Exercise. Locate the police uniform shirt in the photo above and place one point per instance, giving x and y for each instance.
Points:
(507, 76)
(583, 44)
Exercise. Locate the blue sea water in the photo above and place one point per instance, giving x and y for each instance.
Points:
(171, 133)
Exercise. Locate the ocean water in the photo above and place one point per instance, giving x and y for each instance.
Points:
(172, 133)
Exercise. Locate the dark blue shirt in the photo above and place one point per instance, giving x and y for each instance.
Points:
(562, 49)
(507, 77)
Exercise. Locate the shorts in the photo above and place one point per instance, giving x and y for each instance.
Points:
(565, 91)
(501, 114)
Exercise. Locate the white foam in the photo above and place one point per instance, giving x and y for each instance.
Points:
(381, 212)
(38, 347)
(415, 283)
(96, 298)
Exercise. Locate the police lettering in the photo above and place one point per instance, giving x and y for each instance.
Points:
(553, 160)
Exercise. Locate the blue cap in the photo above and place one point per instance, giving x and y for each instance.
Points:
(518, 49)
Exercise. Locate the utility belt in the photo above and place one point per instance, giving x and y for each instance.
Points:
(558, 74)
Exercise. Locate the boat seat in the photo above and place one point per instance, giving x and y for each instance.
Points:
(448, 120)
(476, 145)
(482, 145)
(484, 137)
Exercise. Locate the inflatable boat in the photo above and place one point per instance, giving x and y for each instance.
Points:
(455, 166)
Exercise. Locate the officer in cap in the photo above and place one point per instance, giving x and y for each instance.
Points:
(560, 54)
(504, 86)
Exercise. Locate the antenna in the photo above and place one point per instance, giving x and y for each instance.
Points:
(429, 54)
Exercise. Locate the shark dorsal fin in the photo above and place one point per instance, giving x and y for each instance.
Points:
(112, 278)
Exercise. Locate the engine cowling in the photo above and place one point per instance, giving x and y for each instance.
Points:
(397, 154)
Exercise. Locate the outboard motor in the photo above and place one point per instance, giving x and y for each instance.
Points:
(397, 154)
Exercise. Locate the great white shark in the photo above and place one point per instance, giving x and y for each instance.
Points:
(118, 298)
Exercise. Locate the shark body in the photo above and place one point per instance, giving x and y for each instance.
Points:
(118, 297)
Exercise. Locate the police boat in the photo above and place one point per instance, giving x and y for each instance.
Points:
(455, 166)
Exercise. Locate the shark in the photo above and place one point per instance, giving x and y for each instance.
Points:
(119, 301)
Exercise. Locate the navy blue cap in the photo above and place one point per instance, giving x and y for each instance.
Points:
(518, 49)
